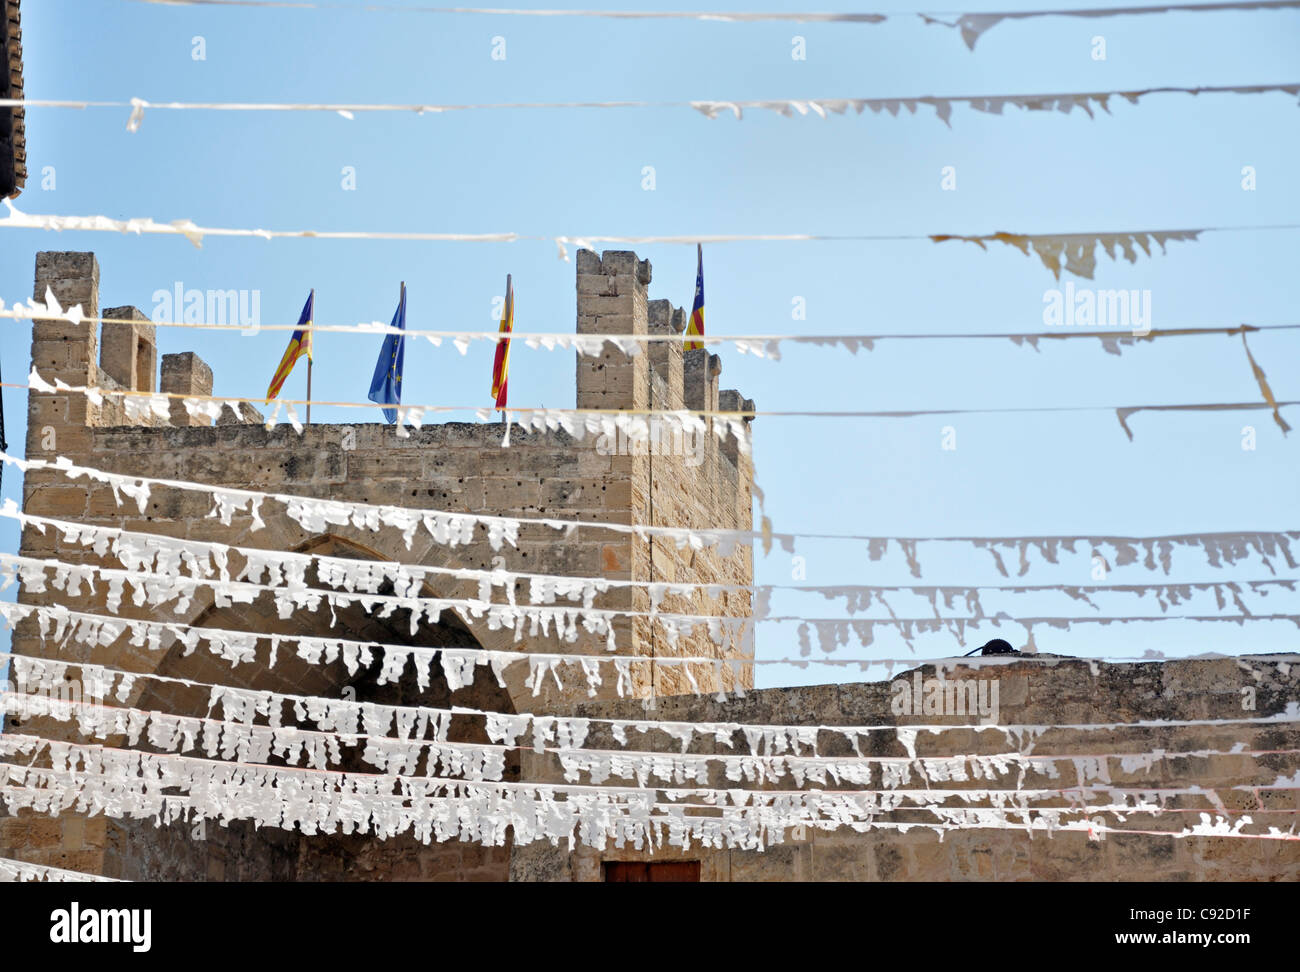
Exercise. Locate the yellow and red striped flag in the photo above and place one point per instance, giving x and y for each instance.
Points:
(695, 327)
(501, 363)
(299, 344)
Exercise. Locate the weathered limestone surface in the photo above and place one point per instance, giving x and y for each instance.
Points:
(129, 350)
(185, 374)
(1030, 693)
(453, 467)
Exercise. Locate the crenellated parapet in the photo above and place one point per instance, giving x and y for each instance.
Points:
(672, 475)
(661, 376)
(680, 474)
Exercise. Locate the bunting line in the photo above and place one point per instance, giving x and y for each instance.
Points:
(35, 678)
(731, 634)
(21, 871)
(369, 576)
(580, 421)
(684, 731)
(680, 828)
(484, 762)
(759, 345)
(1064, 102)
(971, 25)
(1224, 546)
(1078, 249)
(436, 806)
(458, 663)
(25, 744)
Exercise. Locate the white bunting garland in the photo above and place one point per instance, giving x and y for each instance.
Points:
(759, 345)
(128, 783)
(733, 636)
(22, 871)
(1077, 249)
(138, 550)
(1063, 102)
(237, 736)
(316, 515)
(343, 714)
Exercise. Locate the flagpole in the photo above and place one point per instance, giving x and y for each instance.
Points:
(311, 339)
(401, 302)
(510, 312)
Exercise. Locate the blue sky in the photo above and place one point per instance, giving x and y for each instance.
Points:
(1172, 162)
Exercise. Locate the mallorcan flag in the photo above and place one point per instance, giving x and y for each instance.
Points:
(695, 327)
(386, 385)
(501, 363)
(299, 344)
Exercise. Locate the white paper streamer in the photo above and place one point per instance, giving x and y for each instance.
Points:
(147, 551)
(454, 528)
(21, 871)
(56, 622)
(733, 636)
(1063, 102)
(1049, 246)
(129, 783)
(410, 753)
(760, 345)
(61, 624)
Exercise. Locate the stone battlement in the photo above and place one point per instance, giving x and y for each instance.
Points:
(600, 480)
(661, 478)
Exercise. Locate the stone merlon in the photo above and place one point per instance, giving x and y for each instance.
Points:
(122, 353)
(612, 299)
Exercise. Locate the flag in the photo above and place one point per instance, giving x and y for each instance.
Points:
(695, 327)
(501, 363)
(299, 344)
(386, 385)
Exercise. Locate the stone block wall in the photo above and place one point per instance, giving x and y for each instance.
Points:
(675, 478)
(454, 467)
(1037, 693)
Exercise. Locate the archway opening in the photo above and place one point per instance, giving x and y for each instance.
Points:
(209, 850)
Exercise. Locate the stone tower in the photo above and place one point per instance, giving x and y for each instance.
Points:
(651, 478)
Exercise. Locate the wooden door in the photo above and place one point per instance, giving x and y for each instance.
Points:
(652, 871)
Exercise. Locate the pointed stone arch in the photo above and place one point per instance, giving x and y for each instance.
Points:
(140, 850)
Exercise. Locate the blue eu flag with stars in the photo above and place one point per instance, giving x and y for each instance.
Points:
(386, 386)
